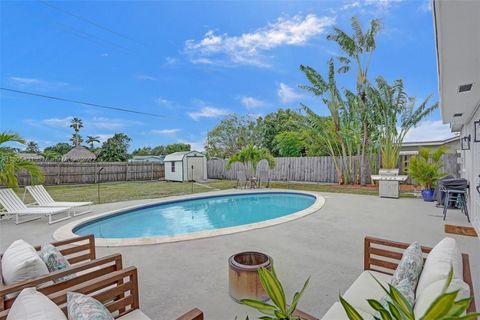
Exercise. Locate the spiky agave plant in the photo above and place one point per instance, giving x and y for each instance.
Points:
(444, 307)
(279, 310)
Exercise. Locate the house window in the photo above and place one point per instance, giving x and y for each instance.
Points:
(173, 166)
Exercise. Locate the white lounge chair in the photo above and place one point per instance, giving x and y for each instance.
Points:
(43, 198)
(14, 206)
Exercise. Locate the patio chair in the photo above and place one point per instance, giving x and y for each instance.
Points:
(242, 179)
(117, 291)
(43, 198)
(14, 206)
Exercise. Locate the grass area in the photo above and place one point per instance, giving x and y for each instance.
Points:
(121, 191)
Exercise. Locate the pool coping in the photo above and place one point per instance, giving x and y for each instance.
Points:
(66, 231)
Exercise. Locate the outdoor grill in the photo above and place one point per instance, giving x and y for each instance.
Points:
(389, 182)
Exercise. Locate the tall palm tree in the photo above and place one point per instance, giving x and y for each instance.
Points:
(252, 155)
(92, 139)
(359, 47)
(11, 165)
(76, 124)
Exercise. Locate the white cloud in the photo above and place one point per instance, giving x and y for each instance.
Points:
(109, 123)
(145, 77)
(425, 6)
(287, 94)
(170, 61)
(252, 103)
(163, 102)
(166, 132)
(207, 112)
(36, 83)
(103, 136)
(58, 122)
(247, 48)
(104, 54)
(195, 145)
(429, 130)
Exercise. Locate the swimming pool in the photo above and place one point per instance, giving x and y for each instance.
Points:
(202, 214)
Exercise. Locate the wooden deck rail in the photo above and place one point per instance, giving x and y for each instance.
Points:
(383, 256)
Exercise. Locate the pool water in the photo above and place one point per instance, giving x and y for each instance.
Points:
(194, 215)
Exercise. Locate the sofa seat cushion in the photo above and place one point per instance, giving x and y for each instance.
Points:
(336, 312)
(439, 261)
(21, 262)
(365, 287)
(432, 292)
(33, 305)
(134, 315)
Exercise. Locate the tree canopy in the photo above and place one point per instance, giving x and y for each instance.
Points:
(115, 148)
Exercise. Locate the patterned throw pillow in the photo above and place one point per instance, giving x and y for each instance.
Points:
(410, 267)
(82, 307)
(55, 261)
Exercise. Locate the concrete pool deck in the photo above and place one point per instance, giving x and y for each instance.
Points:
(326, 245)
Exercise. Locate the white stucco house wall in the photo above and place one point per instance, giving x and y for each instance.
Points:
(186, 166)
(457, 37)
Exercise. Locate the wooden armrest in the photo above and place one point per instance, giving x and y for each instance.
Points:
(98, 267)
(194, 314)
(383, 255)
(74, 247)
(304, 315)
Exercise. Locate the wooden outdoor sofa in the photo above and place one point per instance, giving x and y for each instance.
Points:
(118, 291)
(381, 257)
(80, 252)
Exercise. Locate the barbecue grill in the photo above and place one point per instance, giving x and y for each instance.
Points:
(389, 182)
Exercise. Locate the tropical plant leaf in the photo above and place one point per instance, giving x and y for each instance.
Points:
(440, 306)
(352, 314)
(273, 288)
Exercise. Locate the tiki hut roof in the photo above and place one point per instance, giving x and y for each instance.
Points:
(30, 156)
(79, 154)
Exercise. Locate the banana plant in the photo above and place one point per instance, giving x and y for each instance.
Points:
(279, 310)
(444, 307)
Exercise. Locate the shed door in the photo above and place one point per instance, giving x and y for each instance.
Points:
(197, 173)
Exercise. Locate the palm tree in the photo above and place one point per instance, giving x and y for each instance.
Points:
(359, 47)
(92, 139)
(252, 155)
(76, 124)
(32, 147)
(11, 165)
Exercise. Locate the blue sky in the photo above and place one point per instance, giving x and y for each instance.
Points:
(191, 62)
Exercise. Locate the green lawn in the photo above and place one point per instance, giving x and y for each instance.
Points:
(121, 191)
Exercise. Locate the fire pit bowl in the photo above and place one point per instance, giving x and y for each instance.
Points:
(244, 281)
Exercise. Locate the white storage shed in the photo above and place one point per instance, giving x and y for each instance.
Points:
(186, 166)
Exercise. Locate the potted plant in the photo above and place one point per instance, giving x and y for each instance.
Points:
(426, 169)
(279, 310)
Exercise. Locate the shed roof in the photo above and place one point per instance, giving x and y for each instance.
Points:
(178, 156)
(79, 154)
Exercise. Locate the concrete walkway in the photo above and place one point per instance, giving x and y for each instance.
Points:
(327, 245)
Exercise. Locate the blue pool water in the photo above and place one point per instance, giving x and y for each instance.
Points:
(187, 216)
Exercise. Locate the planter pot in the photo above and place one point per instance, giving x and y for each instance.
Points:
(244, 281)
(427, 195)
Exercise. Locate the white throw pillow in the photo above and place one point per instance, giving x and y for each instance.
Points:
(33, 305)
(432, 292)
(21, 262)
(443, 256)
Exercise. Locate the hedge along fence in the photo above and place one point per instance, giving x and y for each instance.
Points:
(311, 169)
(87, 172)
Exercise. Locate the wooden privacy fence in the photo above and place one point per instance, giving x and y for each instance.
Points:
(311, 169)
(79, 173)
